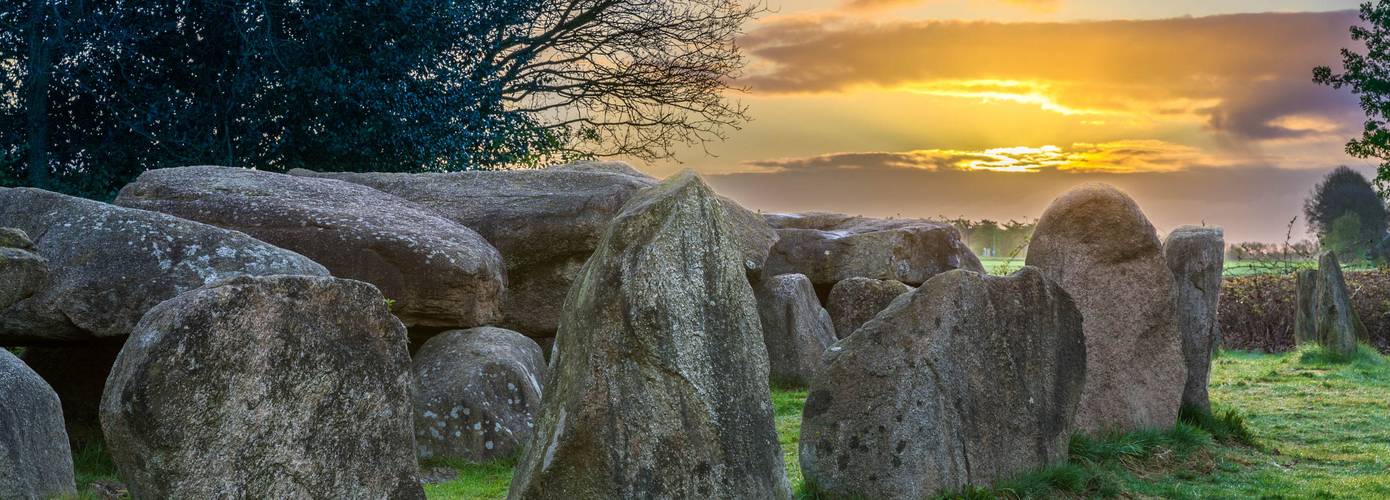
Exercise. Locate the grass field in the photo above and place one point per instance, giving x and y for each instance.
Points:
(1320, 429)
(1003, 266)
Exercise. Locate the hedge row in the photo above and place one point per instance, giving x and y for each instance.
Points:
(1257, 311)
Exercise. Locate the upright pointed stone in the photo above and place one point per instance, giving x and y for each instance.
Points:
(1197, 256)
(35, 461)
(1339, 328)
(969, 380)
(1100, 247)
(658, 382)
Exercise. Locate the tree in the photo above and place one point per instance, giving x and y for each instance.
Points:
(1343, 193)
(1368, 76)
(98, 90)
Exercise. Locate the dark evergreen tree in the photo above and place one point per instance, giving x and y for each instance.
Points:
(1345, 208)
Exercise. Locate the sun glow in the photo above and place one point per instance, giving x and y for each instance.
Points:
(1032, 93)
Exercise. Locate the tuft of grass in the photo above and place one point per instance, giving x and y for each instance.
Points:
(1316, 355)
(1227, 426)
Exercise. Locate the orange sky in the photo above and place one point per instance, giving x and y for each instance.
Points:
(1204, 110)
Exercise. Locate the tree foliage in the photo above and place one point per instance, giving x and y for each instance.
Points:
(1367, 74)
(1341, 194)
(95, 91)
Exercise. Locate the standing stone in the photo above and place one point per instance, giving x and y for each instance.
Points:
(22, 272)
(480, 391)
(830, 248)
(270, 387)
(1339, 328)
(544, 222)
(1097, 244)
(658, 384)
(855, 301)
(109, 265)
(436, 272)
(1197, 257)
(969, 380)
(35, 461)
(796, 329)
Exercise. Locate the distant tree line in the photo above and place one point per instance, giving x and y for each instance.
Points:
(92, 92)
(989, 238)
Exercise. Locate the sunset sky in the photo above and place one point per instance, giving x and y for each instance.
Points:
(1203, 110)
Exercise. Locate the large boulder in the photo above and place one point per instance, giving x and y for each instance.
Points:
(796, 329)
(829, 248)
(968, 380)
(1325, 312)
(1197, 256)
(1098, 245)
(479, 393)
(658, 383)
(108, 264)
(437, 272)
(545, 223)
(22, 272)
(265, 387)
(35, 461)
(855, 301)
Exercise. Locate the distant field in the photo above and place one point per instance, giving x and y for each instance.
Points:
(1002, 266)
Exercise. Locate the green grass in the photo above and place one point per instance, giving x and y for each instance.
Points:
(1296, 425)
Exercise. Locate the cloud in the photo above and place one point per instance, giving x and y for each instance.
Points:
(1245, 76)
(1253, 202)
(1128, 156)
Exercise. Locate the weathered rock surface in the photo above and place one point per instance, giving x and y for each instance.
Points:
(1197, 257)
(22, 272)
(855, 301)
(545, 223)
(1326, 315)
(968, 380)
(796, 329)
(479, 394)
(108, 264)
(829, 248)
(437, 272)
(35, 461)
(265, 387)
(658, 383)
(1098, 245)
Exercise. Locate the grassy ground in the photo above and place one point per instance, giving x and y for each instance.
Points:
(1004, 266)
(1320, 428)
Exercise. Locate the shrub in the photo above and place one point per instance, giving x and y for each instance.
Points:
(1257, 312)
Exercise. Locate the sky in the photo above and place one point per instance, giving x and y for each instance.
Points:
(1204, 111)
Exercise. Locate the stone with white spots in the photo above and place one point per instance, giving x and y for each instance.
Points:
(437, 273)
(830, 248)
(109, 264)
(658, 384)
(265, 387)
(22, 272)
(479, 394)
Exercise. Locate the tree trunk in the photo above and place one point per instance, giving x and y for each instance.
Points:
(39, 73)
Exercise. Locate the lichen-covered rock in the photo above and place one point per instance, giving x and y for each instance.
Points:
(22, 272)
(545, 223)
(830, 248)
(108, 264)
(968, 380)
(35, 461)
(265, 387)
(1326, 315)
(1100, 247)
(796, 329)
(658, 383)
(1197, 257)
(479, 393)
(855, 301)
(437, 272)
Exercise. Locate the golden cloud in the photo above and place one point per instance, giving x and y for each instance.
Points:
(1127, 156)
(1246, 76)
